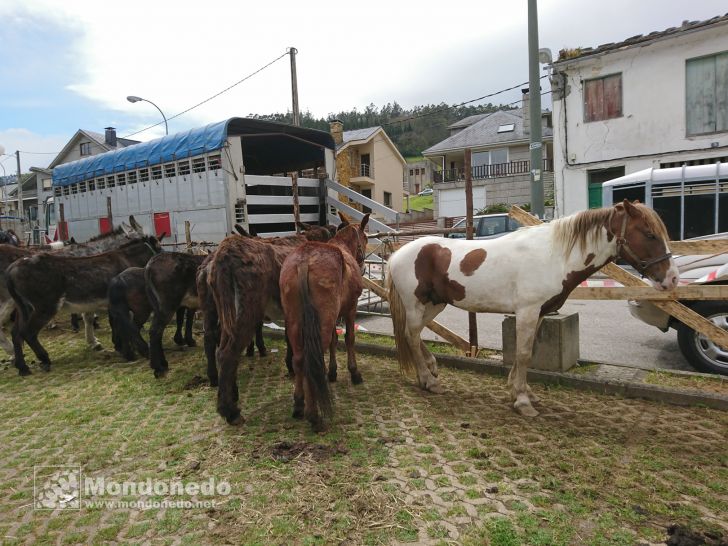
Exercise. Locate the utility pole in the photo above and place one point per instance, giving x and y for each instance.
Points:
(472, 318)
(294, 86)
(20, 189)
(534, 91)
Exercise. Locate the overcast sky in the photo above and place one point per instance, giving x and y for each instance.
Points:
(70, 65)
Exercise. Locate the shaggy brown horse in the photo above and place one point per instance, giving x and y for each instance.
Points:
(242, 280)
(129, 310)
(319, 283)
(43, 283)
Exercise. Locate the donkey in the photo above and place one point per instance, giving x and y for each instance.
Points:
(43, 283)
(102, 243)
(129, 310)
(319, 283)
(242, 278)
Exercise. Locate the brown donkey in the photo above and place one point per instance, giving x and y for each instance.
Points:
(242, 280)
(319, 283)
(41, 284)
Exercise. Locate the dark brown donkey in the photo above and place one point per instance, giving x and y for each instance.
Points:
(41, 284)
(129, 310)
(97, 245)
(242, 278)
(319, 283)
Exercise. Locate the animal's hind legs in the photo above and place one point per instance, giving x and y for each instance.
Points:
(333, 366)
(429, 359)
(88, 323)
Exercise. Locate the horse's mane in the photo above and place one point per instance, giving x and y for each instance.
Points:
(585, 226)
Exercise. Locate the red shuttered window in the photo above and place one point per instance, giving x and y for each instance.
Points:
(603, 98)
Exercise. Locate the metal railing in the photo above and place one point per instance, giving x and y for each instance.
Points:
(498, 170)
(365, 170)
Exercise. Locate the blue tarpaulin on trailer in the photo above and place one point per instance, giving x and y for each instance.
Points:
(300, 148)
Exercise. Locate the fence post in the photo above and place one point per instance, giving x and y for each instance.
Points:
(472, 318)
(188, 235)
(109, 213)
(296, 207)
(323, 206)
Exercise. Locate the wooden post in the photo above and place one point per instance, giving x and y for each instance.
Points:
(188, 235)
(296, 207)
(472, 318)
(109, 213)
(322, 193)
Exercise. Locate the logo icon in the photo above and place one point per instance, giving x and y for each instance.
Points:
(57, 487)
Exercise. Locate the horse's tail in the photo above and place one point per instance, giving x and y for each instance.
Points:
(21, 301)
(221, 284)
(122, 328)
(313, 353)
(399, 321)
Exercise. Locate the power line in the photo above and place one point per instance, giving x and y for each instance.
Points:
(445, 109)
(213, 96)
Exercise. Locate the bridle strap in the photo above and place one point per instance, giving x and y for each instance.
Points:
(639, 264)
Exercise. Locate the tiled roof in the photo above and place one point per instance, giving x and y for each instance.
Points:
(485, 132)
(101, 139)
(579, 53)
(359, 134)
(468, 121)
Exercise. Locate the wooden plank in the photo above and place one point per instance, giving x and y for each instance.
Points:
(714, 246)
(674, 308)
(280, 200)
(692, 292)
(435, 326)
(358, 215)
(388, 213)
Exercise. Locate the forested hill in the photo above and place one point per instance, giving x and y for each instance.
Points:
(412, 130)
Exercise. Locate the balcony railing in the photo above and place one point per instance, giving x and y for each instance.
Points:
(498, 170)
(364, 170)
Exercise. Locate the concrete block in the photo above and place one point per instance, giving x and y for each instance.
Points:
(557, 342)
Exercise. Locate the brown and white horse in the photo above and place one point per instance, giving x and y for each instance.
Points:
(319, 283)
(530, 272)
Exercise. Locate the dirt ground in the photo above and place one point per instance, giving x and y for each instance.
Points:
(398, 465)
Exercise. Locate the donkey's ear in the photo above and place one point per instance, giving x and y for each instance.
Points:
(364, 221)
(162, 236)
(135, 225)
(630, 208)
(126, 228)
(241, 230)
(345, 220)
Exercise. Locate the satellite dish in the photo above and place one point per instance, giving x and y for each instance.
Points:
(544, 55)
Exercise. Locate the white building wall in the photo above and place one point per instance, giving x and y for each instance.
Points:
(652, 128)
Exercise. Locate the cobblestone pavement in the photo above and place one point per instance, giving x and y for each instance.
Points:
(397, 465)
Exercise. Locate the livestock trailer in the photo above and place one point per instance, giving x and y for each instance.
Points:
(234, 171)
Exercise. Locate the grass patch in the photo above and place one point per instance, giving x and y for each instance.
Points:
(717, 384)
(419, 202)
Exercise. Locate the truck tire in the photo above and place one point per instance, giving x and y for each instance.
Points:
(701, 353)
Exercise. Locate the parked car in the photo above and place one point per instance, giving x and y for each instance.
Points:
(426, 191)
(701, 353)
(488, 226)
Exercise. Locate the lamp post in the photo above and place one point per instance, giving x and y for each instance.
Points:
(133, 99)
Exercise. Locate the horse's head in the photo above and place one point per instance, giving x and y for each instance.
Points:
(355, 239)
(642, 239)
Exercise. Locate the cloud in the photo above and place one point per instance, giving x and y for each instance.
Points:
(28, 141)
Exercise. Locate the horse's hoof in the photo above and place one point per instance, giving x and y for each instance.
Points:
(525, 409)
(178, 340)
(159, 374)
(213, 383)
(356, 379)
(191, 343)
(235, 420)
(45, 366)
(435, 387)
(97, 347)
(332, 377)
(263, 352)
(24, 371)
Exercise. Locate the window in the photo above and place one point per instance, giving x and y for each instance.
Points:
(74, 188)
(131, 177)
(91, 185)
(170, 170)
(214, 162)
(85, 148)
(387, 199)
(82, 187)
(157, 172)
(507, 128)
(706, 94)
(121, 179)
(411, 172)
(57, 191)
(100, 183)
(66, 190)
(183, 168)
(198, 165)
(109, 182)
(143, 175)
(47, 184)
(603, 98)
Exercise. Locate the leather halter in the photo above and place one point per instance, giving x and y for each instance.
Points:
(622, 245)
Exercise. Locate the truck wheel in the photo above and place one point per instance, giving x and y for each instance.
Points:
(700, 352)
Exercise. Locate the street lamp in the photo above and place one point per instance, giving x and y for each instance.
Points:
(133, 99)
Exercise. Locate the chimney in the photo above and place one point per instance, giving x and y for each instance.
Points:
(526, 112)
(110, 136)
(337, 131)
